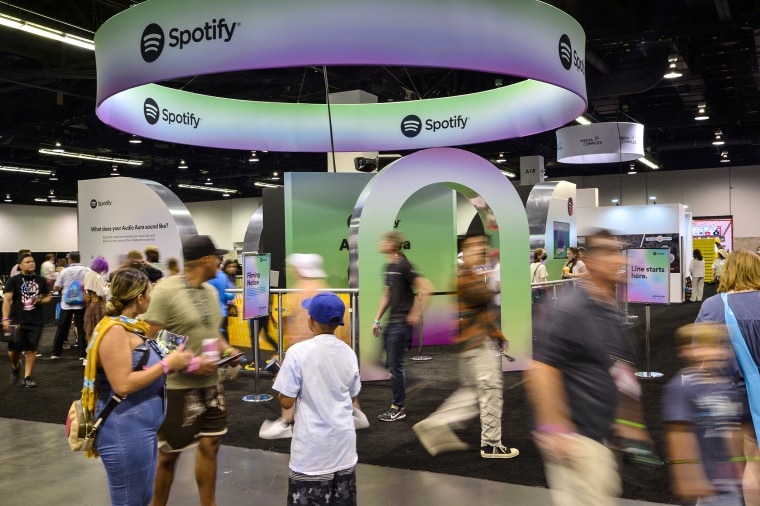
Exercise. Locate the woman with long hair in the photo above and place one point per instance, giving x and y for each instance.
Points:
(697, 273)
(741, 284)
(127, 441)
(574, 267)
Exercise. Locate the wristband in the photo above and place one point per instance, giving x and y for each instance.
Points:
(6, 319)
(376, 322)
(227, 353)
(630, 423)
(688, 461)
(165, 366)
(194, 365)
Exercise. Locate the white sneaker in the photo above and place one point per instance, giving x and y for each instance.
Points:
(84, 362)
(276, 429)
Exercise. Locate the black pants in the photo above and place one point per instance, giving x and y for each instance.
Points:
(62, 334)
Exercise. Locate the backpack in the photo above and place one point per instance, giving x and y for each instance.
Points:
(74, 295)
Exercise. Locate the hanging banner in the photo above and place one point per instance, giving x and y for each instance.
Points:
(648, 275)
(256, 285)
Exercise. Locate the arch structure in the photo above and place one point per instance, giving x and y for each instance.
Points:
(474, 177)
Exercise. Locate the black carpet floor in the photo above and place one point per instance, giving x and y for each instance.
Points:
(394, 444)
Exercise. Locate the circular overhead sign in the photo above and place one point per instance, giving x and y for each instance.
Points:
(600, 143)
(158, 41)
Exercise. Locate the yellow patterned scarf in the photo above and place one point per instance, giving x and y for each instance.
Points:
(89, 388)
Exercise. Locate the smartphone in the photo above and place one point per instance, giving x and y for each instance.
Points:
(171, 341)
(227, 360)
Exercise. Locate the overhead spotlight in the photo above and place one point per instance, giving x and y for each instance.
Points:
(649, 163)
(701, 113)
(616, 201)
(114, 170)
(53, 176)
(208, 182)
(631, 169)
(52, 194)
(724, 157)
(275, 176)
(253, 157)
(182, 164)
(135, 140)
(225, 194)
(673, 72)
(8, 198)
(719, 140)
(501, 158)
(583, 120)
(58, 148)
(653, 199)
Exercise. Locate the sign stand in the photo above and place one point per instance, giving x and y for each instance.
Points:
(648, 282)
(256, 304)
(648, 374)
(420, 357)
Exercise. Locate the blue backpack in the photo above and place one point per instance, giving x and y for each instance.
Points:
(74, 295)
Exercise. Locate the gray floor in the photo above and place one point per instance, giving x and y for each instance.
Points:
(37, 468)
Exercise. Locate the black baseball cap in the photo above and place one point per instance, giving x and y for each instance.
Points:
(199, 246)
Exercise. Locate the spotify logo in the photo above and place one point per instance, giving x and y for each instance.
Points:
(152, 42)
(411, 126)
(565, 52)
(150, 109)
(93, 203)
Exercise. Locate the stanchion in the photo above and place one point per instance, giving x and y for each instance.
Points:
(648, 374)
(256, 396)
(420, 357)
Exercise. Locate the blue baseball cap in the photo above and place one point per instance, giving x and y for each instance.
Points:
(325, 308)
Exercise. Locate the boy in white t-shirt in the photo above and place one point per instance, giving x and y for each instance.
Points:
(320, 376)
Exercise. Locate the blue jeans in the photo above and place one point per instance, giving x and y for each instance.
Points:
(397, 339)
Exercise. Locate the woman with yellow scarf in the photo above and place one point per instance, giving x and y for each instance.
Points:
(126, 440)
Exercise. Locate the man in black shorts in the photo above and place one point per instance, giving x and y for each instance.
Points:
(24, 294)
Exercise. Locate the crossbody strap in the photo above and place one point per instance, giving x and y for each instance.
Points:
(115, 398)
(746, 363)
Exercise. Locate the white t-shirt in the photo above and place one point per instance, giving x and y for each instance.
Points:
(66, 277)
(538, 272)
(322, 374)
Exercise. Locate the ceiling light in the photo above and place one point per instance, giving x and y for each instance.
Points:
(52, 194)
(39, 199)
(724, 157)
(208, 182)
(701, 113)
(649, 163)
(207, 188)
(672, 68)
(135, 140)
(508, 173)
(114, 171)
(652, 197)
(62, 201)
(719, 140)
(631, 169)
(225, 194)
(8, 197)
(58, 148)
(44, 31)
(253, 157)
(24, 170)
(89, 157)
(501, 158)
(583, 120)
(182, 164)
(616, 201)
(275, 176)
(266, 185)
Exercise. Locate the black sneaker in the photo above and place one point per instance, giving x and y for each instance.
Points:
(29, 382)
(393, 414)
(498, 452)
(14, 375)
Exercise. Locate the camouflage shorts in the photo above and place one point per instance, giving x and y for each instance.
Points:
(334, 489)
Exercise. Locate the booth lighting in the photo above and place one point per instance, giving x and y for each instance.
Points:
(267, 185)
(44, 31)
(702, 113)
(719, 140)
(135, 140)
(182, 165)
(24, 170)
(649, 163)
(673, 72)
(89, 157)
(253, 157)
(8, 197)
(207, 188)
